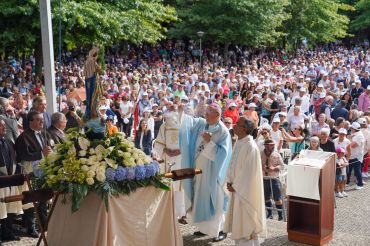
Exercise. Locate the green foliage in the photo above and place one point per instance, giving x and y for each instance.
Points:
(251, 22)
(85, 22)
(19, 29)
(107, 22)
(315, 20)
(362, 18)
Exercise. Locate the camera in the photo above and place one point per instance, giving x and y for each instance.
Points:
(71, 108)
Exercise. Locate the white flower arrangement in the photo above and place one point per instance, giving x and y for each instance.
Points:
(110, 166)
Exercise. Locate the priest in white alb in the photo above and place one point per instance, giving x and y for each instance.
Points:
(246, 216)
(206, 144)
(166, 147)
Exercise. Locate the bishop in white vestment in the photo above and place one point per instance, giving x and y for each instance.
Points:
(246, 218)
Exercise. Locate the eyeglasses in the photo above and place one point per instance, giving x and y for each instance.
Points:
(263, 133)
(228, 123)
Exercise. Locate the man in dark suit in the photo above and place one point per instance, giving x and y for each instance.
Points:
(8, 167)
(31, 146)
(39, 105)
(12, 131)
(58, 124)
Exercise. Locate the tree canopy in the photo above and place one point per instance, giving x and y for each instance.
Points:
(85, 22)
(250, 22)
(246, 22)
(108, 22)
(362, 19)
(315, 21)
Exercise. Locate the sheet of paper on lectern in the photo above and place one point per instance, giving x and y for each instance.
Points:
(304, 174)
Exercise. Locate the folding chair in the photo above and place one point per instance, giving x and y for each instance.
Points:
(273, 205)
(286, 154)
(31, 196)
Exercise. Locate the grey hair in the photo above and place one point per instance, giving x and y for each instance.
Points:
(3, 101)
(325, 131)
(249, 124)
(315, 139)
(298, 100)
(72, 101)
(56, 118)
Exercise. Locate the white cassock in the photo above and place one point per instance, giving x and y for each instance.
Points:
(246, 217)
(168, 137)
(12, 207)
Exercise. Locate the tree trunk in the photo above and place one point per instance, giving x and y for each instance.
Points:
(38, 58)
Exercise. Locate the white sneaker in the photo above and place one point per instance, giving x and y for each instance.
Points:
(365, 175)
(358, 187)
(339, 195)
(344, 194)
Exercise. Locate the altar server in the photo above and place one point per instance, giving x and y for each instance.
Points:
(246, 218)
(7, 167)
(206, 144)
(166, 147)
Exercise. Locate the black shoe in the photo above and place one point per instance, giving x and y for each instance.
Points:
(10, 237)
(269, 216)
(33, 234)
(221, 236)
(280, 218)
(199, 234)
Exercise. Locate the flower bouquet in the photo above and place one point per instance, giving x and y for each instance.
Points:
(110, 166)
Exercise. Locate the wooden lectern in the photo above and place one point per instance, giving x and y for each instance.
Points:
(312, 221)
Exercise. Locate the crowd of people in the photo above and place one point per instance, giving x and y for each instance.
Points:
(310, 99)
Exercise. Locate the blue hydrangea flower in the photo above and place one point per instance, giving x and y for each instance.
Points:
(130, 175)
(140, 172)
(156, 167)
(37, 171)
(150, 170)
(110, 174)
(120, 174)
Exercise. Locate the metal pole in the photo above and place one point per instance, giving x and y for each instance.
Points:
(48, 54)
(200, 54)
(60, 55)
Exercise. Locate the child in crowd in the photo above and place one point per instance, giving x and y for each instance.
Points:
(340, 181)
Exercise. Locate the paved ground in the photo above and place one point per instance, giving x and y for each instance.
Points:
(352, 226)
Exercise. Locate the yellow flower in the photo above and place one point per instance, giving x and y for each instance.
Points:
(82, 153)
(111, 163)
(100, 150)
(90, 181)
(84, 143)
(84, 168)
(100, 169)
(71, 150)
(53, 157)
(100, 177)
(90, 174)
(92, 151)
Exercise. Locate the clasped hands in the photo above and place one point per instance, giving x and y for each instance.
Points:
(230, 187)
(207, 136)
(47, 150)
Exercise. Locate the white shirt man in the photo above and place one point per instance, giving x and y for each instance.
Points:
(357, 154)
(246, 218)
(305, 105)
